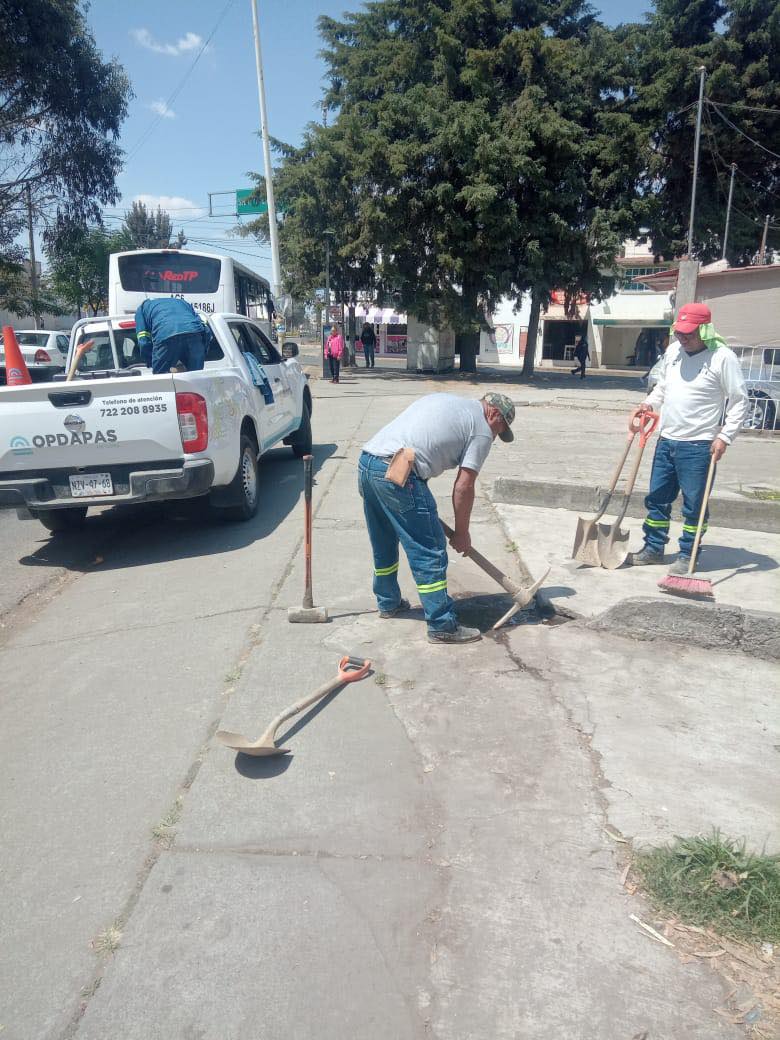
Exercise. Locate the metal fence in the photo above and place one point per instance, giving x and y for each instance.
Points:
(761, 366)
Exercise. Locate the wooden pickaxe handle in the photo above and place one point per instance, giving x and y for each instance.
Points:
(489, 568)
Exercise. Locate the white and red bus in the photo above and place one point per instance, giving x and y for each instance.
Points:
(212, 284)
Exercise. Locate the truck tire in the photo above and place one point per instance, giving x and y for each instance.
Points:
(59, 520)
(301, 444)
(243, 488)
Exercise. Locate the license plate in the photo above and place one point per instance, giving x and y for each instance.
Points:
(90, 485)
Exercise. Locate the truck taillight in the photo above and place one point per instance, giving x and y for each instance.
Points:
(193, 421)
(41, 357)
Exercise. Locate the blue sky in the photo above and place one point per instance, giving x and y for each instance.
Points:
(206, 139)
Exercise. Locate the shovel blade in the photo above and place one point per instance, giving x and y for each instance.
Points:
(256, 748)
(612, 546)
(586, 548)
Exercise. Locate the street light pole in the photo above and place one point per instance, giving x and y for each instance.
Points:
(762, 251)
(327, 276)
(33, 267)
(702, 73)
(728, 210)
(269, 185)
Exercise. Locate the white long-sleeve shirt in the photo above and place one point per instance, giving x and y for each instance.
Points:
(692, 391)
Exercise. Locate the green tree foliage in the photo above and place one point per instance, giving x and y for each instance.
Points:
(78, 266)
(738, 43)
(144, 229)
(477, 149)
(61, 106)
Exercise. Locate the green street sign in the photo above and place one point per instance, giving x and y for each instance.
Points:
(244, 207)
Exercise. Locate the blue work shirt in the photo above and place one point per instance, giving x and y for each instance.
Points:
(158, 320)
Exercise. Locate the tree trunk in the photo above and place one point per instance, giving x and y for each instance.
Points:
(533, 329)
(466, 344)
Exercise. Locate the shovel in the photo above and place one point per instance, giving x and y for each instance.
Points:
(586, 536)
(350, 670)
(522, 595)
(611, 541)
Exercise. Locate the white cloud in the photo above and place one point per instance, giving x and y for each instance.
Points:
(178, 207)
(189, 42)
(162, 109)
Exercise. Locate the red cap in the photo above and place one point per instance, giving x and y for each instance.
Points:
(691, 316)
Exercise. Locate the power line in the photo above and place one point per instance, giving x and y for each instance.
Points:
(745, 108)
(158, 119)
(739, 131)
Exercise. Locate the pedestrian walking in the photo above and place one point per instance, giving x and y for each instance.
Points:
(698, 376)
(368, 339)
(582, 354)
(170, 332)
(334, 351)
(444, 432)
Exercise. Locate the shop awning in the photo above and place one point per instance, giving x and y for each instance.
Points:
(638, 323)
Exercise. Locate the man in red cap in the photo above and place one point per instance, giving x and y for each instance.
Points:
(699, 377)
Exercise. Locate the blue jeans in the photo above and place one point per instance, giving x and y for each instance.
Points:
(406, 515)
(187, 347)
(368, 354)
(677, 466)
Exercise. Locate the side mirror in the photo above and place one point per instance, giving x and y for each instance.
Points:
(290, 350)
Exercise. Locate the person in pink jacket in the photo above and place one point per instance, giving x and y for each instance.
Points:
(334, 350)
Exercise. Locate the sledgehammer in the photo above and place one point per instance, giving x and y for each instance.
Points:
(308, 613)
(520, 594)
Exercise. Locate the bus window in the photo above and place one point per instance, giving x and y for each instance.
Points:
(183, 273)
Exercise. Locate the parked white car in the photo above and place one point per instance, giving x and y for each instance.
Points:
(117, 434)
(44, 353)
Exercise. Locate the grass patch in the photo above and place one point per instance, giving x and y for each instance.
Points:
(714, 882)
(109, 940)
(764, 495)
(164, 832)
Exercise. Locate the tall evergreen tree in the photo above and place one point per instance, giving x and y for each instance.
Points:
(738, 43)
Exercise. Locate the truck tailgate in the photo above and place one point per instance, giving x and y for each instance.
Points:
(89, 423)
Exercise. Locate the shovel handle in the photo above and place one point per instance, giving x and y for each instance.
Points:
(353, 668)
(350, 670)
(649, 423)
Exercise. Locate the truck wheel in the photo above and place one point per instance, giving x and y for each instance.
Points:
(244, 485)
(58, 520)
(302, 444)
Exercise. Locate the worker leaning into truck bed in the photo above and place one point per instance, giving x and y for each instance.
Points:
(169, 333)
(445, 432)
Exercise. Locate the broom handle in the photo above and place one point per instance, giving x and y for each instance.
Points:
(702, 514)
(308, 600)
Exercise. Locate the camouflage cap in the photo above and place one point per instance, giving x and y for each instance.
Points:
(507, 409)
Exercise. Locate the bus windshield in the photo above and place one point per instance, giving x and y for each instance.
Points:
(183, 273)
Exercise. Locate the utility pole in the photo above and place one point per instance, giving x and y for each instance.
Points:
(33, 268)
(762, 251)
(269, 186)
(702, 74)
(728, 210)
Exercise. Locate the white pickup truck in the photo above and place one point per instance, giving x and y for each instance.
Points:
(117, 434)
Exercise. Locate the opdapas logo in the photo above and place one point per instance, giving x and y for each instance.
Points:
(171, 276)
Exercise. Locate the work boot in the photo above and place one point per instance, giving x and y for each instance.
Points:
(403, 604)
(681, 565)
(461, 634)
(644, 557)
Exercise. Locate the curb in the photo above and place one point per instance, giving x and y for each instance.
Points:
(746, 514)
(706, 626)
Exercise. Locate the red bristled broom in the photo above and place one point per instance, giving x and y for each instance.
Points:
(687, 585)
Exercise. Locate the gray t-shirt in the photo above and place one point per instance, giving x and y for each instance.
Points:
(445, 431)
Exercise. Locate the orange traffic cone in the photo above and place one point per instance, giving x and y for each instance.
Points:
(16, 371)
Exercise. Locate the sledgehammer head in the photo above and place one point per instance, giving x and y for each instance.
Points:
(307, 615)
